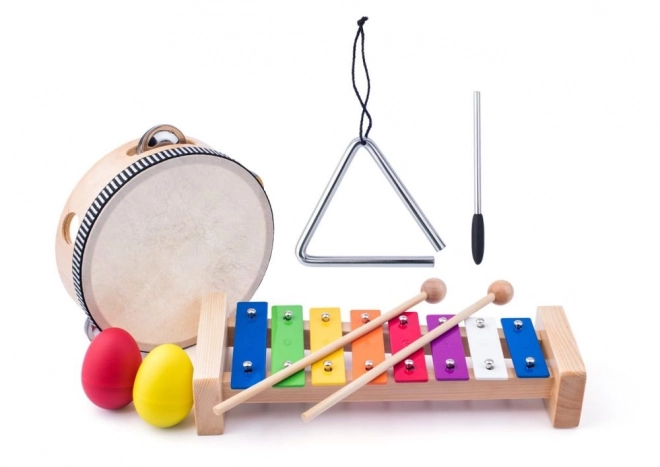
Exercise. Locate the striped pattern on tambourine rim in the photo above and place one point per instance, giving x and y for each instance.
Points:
(110, 190)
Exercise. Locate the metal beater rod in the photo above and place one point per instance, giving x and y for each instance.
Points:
(477, 152)
(478, 219)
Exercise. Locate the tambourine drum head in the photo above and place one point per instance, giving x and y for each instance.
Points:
(179, 229)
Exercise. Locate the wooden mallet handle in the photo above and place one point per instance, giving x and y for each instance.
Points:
(499, 292)
(433, 291)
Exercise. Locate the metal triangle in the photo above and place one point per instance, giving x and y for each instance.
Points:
(399, 187)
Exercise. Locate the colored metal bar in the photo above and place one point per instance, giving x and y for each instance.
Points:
(249, 356)
(447, 352)
(404, 330)
(287, 342)
(524, 348)
(325, 327)
(369, 350)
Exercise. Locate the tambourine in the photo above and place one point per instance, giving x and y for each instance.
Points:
(162, 221)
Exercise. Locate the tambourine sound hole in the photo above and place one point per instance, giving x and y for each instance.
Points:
(70, 227)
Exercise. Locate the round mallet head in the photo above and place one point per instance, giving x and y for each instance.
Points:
(435, 290)
(503, 292)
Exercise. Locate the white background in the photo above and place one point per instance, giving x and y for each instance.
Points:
(570, 163)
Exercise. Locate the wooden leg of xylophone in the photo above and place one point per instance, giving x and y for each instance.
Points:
(570, 376)
(209, 364)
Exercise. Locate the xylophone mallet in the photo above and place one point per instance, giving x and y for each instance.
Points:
(432, 291)
(499, 292)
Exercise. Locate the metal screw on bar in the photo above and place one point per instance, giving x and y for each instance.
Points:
(409, 364)
(325, 317)
(251, 312)
(517, 324)
(490, 363)
(365, 317)
(287, 316)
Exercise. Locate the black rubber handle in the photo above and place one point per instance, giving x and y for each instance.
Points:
(478, 238)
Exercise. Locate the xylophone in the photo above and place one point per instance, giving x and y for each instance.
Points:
(483, 359)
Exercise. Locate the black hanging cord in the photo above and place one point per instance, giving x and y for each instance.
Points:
(360, 34)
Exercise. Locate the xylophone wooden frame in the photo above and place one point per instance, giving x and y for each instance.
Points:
(563, 391)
